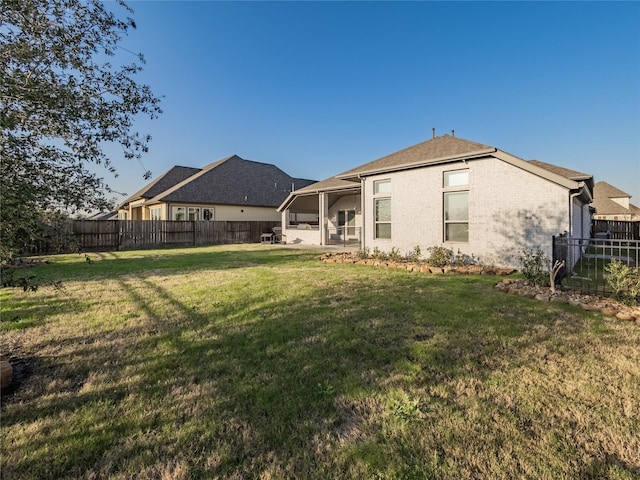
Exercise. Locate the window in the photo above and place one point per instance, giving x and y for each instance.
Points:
(179, 213)
(383, 217)
(155, 213)
(382, 186)
(382, 208)
(193, 213)
(456, 206)
(457, 178)
(208, 213)
(456, 217)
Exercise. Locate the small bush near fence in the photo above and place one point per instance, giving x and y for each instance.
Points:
(588, 269)
(623, 280)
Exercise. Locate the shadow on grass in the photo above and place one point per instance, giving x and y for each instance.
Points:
(111, 264)
(258, 381)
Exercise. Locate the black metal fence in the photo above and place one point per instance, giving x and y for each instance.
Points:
(586, 258)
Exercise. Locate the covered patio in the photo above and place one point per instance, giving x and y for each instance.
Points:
(325, 213)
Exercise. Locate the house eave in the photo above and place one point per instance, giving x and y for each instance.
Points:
(293, 195)
(358, 174)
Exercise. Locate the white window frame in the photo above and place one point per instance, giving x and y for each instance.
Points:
(209, 209)
(155, 213)
(381, 193)
(454, 182)
(193, 213)
(176, 211)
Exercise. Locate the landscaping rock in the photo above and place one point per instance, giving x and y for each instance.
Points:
(609, 312)
(625, 316)
(542, 297)
(559, 299)
(589, 307)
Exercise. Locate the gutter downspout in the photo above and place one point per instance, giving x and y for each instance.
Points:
(571, 197)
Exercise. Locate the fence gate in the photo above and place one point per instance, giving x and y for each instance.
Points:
(586, 258)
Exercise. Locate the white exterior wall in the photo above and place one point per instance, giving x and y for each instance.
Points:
(581, 219)
(293, 234)
(242, 213)
(510, 209)
(229, 212)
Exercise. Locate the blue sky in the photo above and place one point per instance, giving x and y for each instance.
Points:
(317, 88)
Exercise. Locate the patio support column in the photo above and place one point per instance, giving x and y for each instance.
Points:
(324, 215)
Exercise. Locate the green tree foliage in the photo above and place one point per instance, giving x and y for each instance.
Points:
(61, 102)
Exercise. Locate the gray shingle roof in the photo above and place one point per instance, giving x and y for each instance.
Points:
(564, 172)
(606, 190)
(164, 182)
(603, 193)
(423, 153)
(234, 181)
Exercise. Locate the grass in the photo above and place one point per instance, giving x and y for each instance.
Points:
(258, 362)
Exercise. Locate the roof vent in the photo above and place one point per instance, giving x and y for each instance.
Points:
(453, 133)
(433, 132)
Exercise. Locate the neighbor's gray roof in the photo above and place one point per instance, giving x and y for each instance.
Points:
(606, 190)
(603, 193)
(234, 181)
(165, 181)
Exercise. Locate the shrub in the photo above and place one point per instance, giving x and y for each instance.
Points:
(363, 253)
(533, 267)
(378, 254)
(439, 256)
(623, 280)
(394, 255)
(415, 254)
(461, 259)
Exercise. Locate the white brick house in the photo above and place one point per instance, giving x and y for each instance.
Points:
(446, 191)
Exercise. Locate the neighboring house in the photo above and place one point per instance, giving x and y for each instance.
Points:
(230, 189)
(448, 191)
(113, 215)
(613, 204)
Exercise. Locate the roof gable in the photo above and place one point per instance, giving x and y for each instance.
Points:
(169, 179)
(431, 151)
(606, 190)
(234, 181)
(604, 203)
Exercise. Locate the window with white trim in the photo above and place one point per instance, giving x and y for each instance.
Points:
(155, 213)
(208, 214)
(382, 209)
(456, 206)
(179, 213)
(193, 213)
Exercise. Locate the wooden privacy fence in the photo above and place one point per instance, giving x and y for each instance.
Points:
(617, 229)
(92, 235)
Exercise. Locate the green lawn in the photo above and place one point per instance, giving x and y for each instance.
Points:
(237, 362)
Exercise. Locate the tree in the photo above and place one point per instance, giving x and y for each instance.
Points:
(61, 102)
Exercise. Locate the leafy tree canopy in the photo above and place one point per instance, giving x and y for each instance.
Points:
(61, 101)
